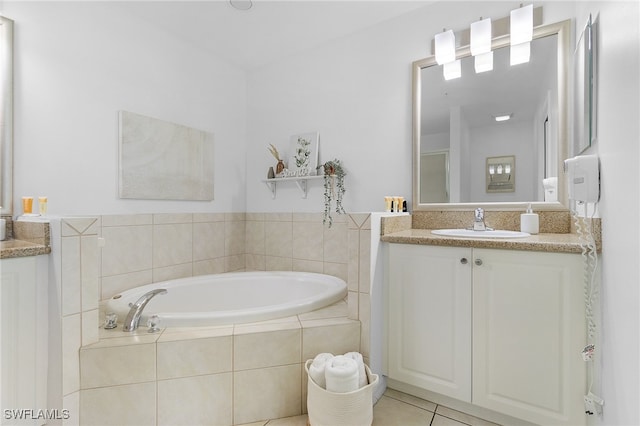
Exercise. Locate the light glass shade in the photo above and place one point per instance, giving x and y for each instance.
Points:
(452, 70)
(445, 45)
(521, 25)
(520, 53)
(483, 62)
(481, 37)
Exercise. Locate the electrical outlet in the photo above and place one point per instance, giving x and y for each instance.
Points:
(593, 404)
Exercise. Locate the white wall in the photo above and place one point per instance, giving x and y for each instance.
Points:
(76, 65)
(356, 91)
(617, 146)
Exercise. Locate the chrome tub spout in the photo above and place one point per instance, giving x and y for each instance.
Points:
(133, 317)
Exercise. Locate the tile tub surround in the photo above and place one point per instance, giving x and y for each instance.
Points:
(97, 257)
(208, 375)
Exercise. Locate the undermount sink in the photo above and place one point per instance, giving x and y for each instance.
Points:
(470, 233)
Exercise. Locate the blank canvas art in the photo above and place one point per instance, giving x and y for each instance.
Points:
(160, 160)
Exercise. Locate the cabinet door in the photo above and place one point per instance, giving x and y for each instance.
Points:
(429, 318)
(528, 332)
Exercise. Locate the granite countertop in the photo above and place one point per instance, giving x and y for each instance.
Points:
(556, 243)
(19, 248)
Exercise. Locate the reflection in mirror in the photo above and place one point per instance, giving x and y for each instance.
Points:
(457, 120)
(6, 115)
(584, 131)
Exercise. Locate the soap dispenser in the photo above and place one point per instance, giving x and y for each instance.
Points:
(529, 221)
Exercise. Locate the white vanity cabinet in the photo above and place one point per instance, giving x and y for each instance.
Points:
(429, 318)
(501, 329)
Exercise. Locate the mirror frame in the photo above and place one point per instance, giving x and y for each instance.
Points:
(563, 31)
(6, 135)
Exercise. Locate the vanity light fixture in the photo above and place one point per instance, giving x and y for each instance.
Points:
(445, 46)
(241, 4)
(521, 34)
(481, 45)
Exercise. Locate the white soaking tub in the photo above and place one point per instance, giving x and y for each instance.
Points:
(232, 298)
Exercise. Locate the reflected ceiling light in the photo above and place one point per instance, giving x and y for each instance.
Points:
(503, 117)
(452, 70)
(445, 46)
(521, 34)
(481, 45)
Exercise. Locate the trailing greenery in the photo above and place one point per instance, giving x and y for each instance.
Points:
(334, 173)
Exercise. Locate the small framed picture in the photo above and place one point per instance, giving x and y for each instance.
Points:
(303, 157)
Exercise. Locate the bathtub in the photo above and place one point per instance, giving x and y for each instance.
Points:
(232, 298)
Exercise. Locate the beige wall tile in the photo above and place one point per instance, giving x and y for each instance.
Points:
(278, 217)
(353, 305)
(335, 243)
(234, 263)
(208, 240)
(127, 220)
(173, 218)
(307, 266)
(337, 337)
(118, 283)
(278, 239)
(307, 240)
(208, 217)
(275, 348)
(90, 255)
(364, 314)
(273, 263)
(118, 365)
(203, 400)
(71, 402)
(194, 357)
(212, 266)
(353, 265)
(254, 238)
(267, 393)
(365, 261)
(254, 217)
(338, 270)
(71, 341)
(90, 327)
(172, 244)
(255, 262)
(70, 275)
(127, 249)
(234, 238)
(337, 310)
(128, 405)
(172, 272)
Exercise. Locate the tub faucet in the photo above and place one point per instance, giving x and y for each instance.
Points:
(133, 317)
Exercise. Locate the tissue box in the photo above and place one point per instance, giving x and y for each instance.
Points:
(350, 408)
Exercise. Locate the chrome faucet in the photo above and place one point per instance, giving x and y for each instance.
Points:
(133, 317)
(478, 221)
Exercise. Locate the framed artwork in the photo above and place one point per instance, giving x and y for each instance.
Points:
(160, 160)
(303, 157)
(501, 174)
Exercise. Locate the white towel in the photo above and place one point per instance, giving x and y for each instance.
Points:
(341, 374)
(362, 373)
(317, 368)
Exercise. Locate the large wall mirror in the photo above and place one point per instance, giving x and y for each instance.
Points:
(464, 158)
(6, 115)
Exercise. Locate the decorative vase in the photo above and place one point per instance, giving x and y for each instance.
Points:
(279, 167)
(271, 174)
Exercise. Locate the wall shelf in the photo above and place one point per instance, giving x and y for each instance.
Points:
(301, 182)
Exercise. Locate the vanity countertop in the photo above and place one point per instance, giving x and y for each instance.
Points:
(557, 243)
(19, 248)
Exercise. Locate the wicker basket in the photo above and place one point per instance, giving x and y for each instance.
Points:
(334, 409)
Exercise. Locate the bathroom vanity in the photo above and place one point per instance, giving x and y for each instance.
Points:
(495, 324)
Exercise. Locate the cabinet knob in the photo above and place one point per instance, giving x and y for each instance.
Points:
(478, 262)
(464, 261)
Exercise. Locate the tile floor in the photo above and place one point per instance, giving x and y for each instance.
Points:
(399, 409)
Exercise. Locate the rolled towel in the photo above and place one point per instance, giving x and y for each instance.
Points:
(341, 374)
(362, 373)
(317, 367)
